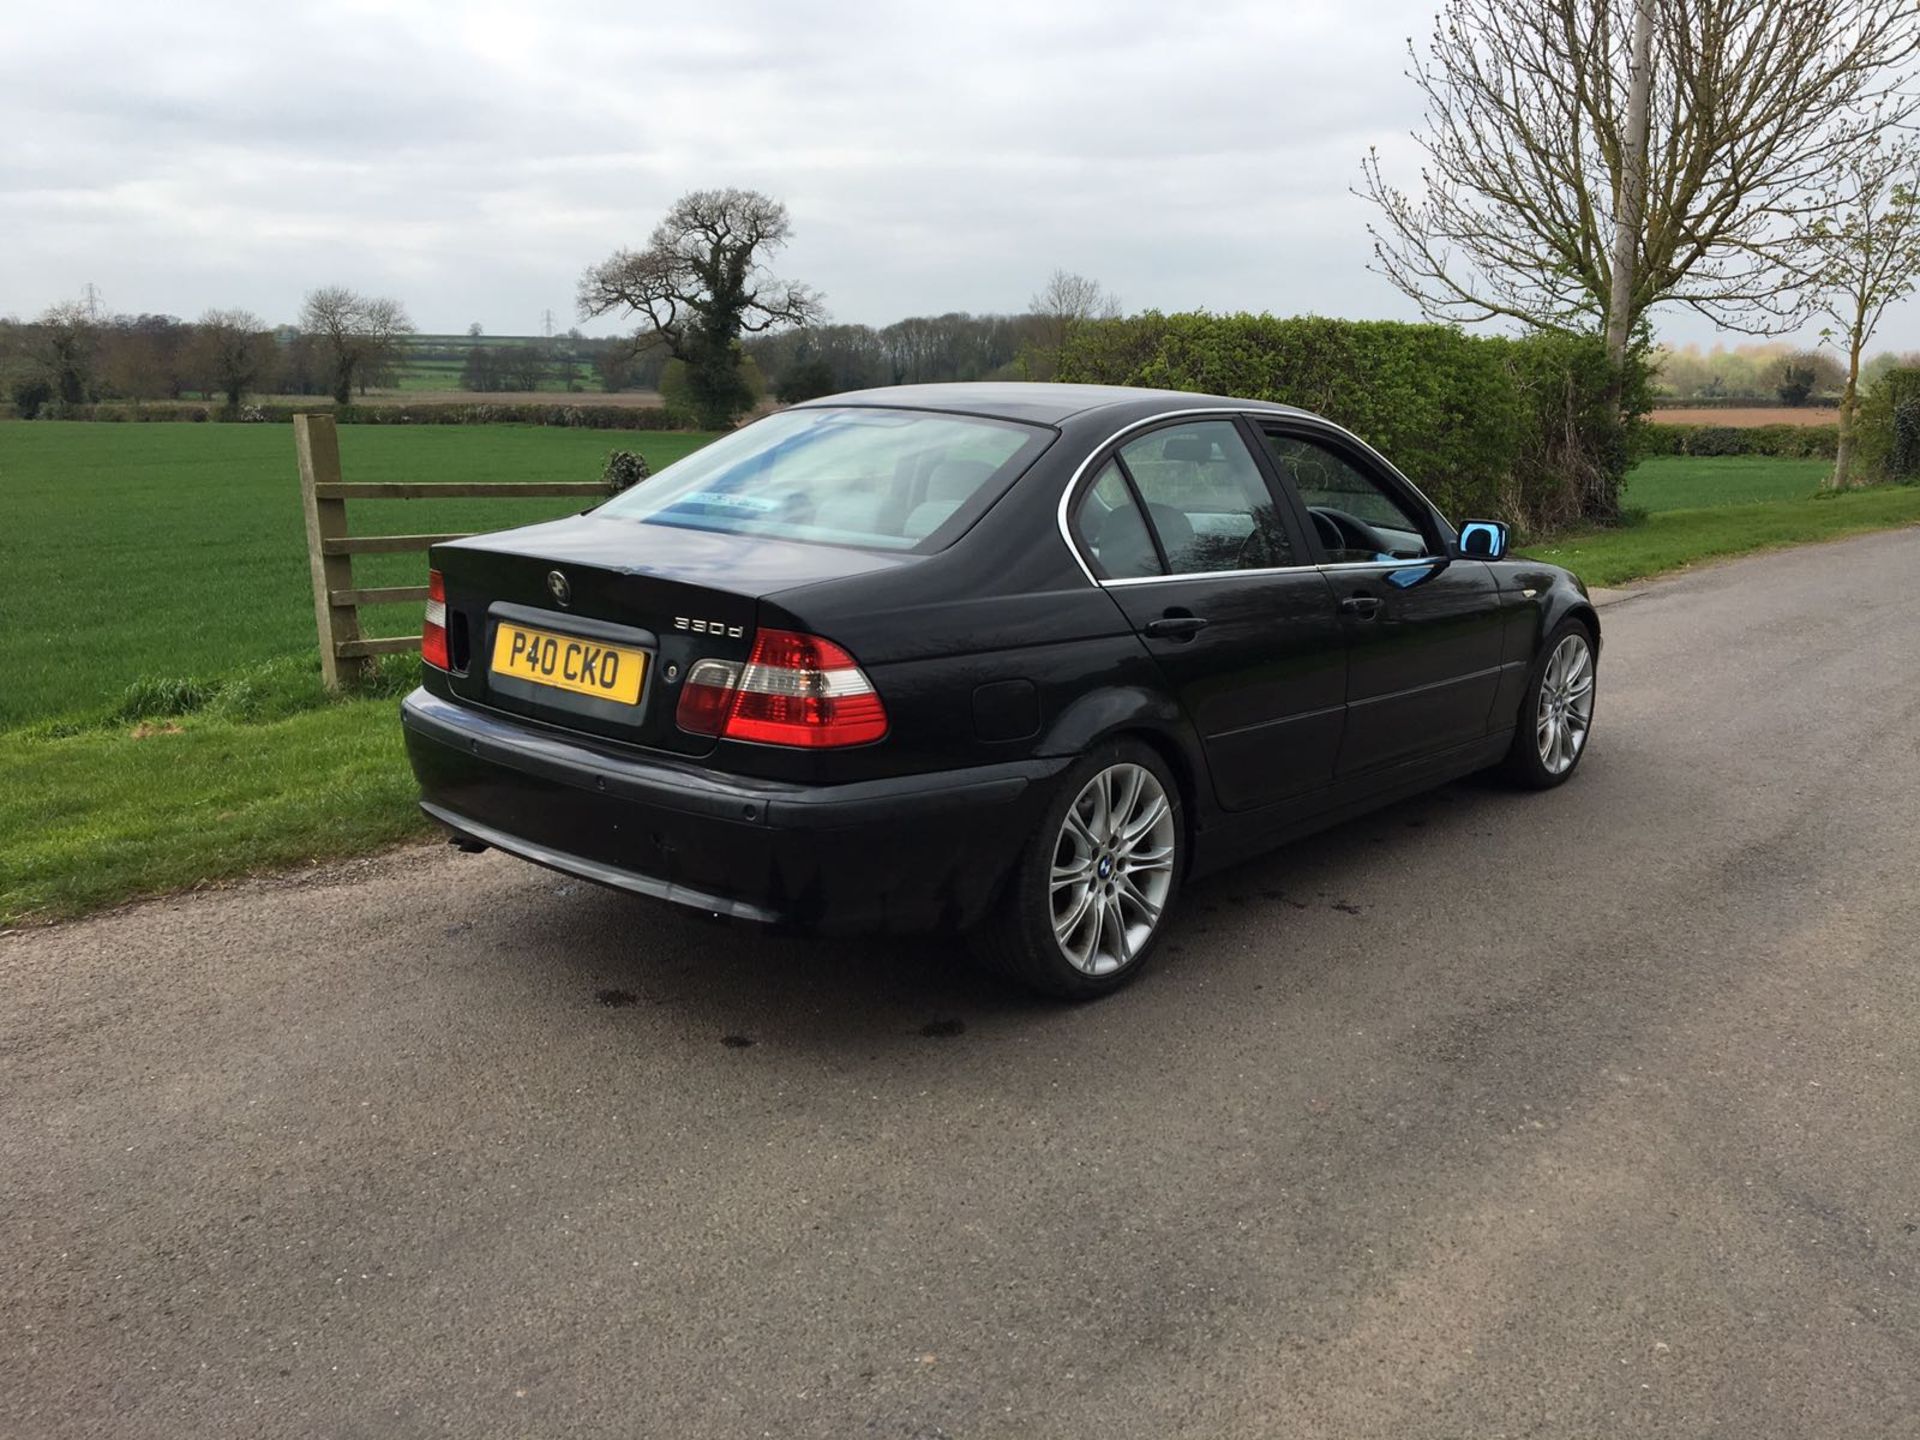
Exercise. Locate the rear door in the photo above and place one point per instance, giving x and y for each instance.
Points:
(1424, 629)
(1183, 530)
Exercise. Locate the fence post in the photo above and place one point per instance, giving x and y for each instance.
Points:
(317, 445)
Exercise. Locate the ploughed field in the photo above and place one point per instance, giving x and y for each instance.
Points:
(1745, 415)
(178, 550)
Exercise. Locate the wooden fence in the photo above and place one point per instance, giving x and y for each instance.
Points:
(346, 656)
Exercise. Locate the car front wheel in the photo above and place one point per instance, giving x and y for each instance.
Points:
(1556, 715)
(1090, 894)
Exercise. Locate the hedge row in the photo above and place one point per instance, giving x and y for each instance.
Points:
(1888, 444)
(1521, 429)
(1792, 442)
(574, 417)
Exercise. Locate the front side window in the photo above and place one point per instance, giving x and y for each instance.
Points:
(1206, 499)
(879, 479)
(1356, 517)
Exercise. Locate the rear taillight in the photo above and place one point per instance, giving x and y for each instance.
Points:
(433, 634)
(707, 697)
(794, 690)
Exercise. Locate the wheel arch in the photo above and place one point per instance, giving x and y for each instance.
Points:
(1156, 721)
(1584, 612)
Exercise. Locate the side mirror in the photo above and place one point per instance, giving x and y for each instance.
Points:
(1483, 540)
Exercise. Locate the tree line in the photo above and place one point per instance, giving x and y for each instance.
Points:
(346, 344)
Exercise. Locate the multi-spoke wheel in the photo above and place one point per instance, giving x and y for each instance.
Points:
(1557, 714)
(1112, 868)
(1092, 890)
(1565, 709)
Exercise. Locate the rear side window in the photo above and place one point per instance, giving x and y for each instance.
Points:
(1206, 499)
(1110, 529)
(878, 479)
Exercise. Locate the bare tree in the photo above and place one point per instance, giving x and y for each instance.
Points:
(359, 334)
(64, 342)
(1864, 255)
(1066, 300)
(231, 351)
(702, 283)
(1529, 154)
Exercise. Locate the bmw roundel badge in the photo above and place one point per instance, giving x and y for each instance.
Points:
(557, 585)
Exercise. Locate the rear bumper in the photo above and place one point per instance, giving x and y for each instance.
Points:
(902, 854)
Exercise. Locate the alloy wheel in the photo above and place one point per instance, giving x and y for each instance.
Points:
(1112, 869)
(1566, 704)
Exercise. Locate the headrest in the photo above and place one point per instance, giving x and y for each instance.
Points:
(1194, 449)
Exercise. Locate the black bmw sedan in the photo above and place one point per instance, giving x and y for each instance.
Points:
(1015, 661)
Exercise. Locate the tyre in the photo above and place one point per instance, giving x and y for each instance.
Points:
(1556, 713)
(1091, 891)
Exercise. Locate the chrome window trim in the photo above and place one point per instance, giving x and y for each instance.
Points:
(1342, 565)
(1384, 564)
(1310, 422)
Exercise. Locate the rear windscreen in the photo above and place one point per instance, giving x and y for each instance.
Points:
(882, 479)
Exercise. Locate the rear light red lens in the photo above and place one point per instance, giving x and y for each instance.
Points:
(433, 634)
(795, 690)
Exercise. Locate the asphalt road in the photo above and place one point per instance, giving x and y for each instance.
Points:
(1590, 1113)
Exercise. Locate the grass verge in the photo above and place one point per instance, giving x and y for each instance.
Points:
(1673, 539)
(105, 815)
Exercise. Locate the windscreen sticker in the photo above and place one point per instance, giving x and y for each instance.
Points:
(760, 505)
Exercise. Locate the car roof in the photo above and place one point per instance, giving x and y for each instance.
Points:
(1046, 403)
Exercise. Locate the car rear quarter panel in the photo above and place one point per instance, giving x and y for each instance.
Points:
(955, 642)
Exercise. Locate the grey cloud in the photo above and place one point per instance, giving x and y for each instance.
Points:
(472, 158)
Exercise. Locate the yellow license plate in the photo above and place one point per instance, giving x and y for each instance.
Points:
(586, 667)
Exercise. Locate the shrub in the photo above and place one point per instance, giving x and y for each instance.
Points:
(808, 380)
(1521, 429)
(1888, 429)
(1717, 440)
(28, 394)
(1658, 439)
(1790, 442)
(624, 469)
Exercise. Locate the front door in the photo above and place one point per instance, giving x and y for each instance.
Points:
(1424, 628)
(1186, 537)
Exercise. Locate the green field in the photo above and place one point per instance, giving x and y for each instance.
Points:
(178, 550)
(1683, 482)
(161, 717)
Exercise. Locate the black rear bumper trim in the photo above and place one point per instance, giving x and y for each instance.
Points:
(594, 870)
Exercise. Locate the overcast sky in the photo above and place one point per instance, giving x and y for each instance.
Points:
(472, 159)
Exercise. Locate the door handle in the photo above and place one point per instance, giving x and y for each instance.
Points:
(1361, 607)
(1175, 627)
